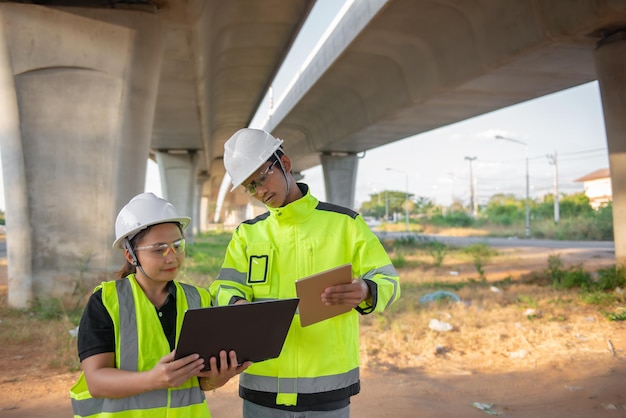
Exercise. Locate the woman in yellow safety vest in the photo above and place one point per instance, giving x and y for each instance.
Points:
(318, 369)
(130, 326)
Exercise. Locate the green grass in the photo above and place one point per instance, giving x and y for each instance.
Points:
(204, 258)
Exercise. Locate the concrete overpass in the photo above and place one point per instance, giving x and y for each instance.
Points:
(123, 80)
(91, 88)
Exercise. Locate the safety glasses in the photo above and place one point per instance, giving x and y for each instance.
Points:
(161, 250)
(259, 181)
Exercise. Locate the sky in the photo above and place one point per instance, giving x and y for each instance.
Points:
(434, 165)
(569, 124)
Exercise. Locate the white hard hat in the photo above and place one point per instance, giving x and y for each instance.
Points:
(142, 211)
(246, 151)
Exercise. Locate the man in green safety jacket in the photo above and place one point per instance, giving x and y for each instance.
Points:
(130, 326)
(318, 369)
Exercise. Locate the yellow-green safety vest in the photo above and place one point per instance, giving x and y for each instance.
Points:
(265, 257)
(139, 344)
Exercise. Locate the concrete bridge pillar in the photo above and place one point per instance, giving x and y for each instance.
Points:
(216, 197)
(340, 173)
(19, 255)
(610, 59)
(78, 93)
(178, 181)
(201, 215)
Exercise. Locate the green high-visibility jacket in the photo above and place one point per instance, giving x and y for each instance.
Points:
(139, 344)
(265, 257)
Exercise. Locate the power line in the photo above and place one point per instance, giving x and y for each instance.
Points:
(584, 152)
(603, 152)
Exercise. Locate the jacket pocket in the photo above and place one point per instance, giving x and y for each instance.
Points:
(259, 267)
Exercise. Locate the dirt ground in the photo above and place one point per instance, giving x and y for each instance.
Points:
(588, 382)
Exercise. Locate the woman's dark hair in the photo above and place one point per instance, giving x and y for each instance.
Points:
(129, 268)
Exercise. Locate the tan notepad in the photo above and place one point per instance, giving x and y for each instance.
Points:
(310, 289)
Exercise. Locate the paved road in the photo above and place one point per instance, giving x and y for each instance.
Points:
(509, 242)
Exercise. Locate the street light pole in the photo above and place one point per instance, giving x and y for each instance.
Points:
(473, 204)
(406, 195)
(553, 161)
(517, 141)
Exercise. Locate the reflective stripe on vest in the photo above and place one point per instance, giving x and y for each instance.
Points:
(129, 358)
(148, 400)
(299, 385)
(192, 296)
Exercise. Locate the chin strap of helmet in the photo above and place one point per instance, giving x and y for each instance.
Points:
(284, 173)
(135, 261)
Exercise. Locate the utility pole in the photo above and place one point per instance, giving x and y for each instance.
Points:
(553, 161)
(386, 205)
(473, 205)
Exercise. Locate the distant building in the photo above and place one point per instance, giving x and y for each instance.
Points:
(597, 185)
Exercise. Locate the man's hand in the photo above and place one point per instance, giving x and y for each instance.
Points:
(347, 294)
(217, 377)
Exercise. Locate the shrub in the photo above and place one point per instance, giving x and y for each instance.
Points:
(563, 278)
(438, 251)
(575, 277)
(555, 269)
(611, 278)
(616, 316)
(406, 241)
(604, 222)
(598, 298)
(480, 253)
(453, 219)
(398, 260)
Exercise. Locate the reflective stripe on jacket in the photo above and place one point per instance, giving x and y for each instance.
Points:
(139, 344)
(268, 254)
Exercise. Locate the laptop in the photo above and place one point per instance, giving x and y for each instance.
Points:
(255, 330)
(312, 310)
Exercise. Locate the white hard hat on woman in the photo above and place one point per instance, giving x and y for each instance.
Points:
(142, 211)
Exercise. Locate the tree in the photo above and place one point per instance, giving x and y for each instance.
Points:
(504, 209)
(387, 201)
(425, 206)
(576, 204)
